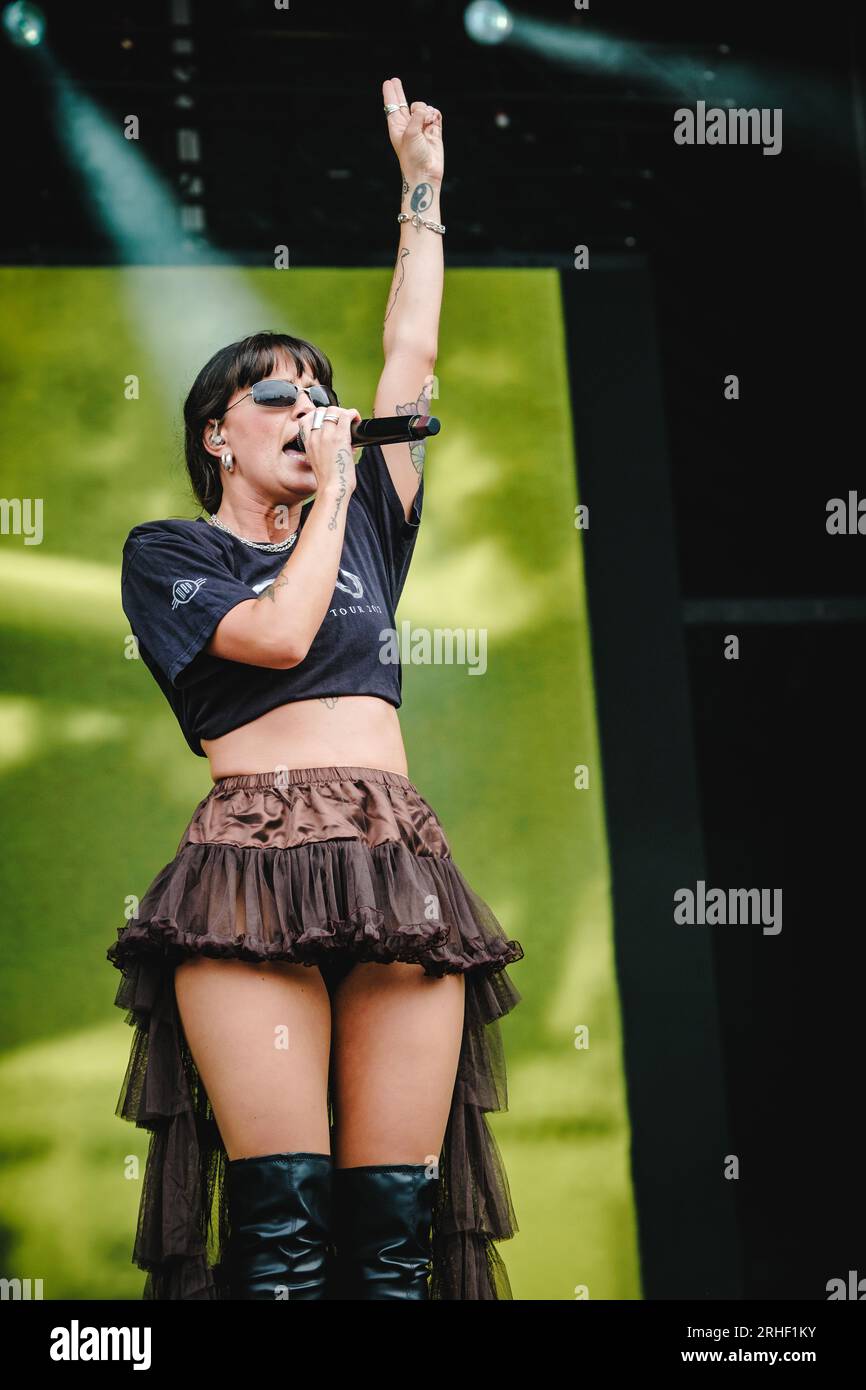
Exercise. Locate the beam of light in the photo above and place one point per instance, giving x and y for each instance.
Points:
(209, 303)
(130, 199)
(591, 51)
(486, 21)
(24, 25)
(808, 100)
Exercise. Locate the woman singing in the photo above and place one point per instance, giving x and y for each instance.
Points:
(314, 986)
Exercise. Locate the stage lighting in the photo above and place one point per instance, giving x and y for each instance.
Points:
(24, 24)
(487, 21)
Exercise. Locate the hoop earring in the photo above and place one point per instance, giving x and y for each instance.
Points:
(228, 461)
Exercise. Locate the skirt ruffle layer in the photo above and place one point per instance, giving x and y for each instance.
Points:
(381, 904)
(340, 900)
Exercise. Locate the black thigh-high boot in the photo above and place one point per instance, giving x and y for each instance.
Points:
(383, 1215)
(280, 1222)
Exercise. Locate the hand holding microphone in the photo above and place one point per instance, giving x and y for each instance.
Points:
(326, 440)
(349, 431)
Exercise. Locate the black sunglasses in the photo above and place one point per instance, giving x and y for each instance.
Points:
(284, 393)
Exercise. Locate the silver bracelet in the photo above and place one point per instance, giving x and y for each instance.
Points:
(418, 221)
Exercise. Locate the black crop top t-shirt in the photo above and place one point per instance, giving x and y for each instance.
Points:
(180, 577)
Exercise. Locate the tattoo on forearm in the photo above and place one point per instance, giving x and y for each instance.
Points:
(422, 197)
(403, 254)
(417, 450)
(344, 458)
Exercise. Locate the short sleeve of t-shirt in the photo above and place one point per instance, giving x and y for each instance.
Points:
(375, 490)
(174, 591)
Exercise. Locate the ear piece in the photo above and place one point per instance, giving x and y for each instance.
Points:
(216, 437)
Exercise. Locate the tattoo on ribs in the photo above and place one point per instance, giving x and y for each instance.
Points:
(329, 700)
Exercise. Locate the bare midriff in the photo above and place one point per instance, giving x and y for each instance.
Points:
(335, 731)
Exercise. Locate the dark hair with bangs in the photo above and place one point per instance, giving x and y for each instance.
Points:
(232, 369)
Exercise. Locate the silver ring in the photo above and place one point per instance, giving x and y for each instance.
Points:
(320, 414)
(394, 106)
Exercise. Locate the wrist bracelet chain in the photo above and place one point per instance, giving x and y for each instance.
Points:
(418, 221)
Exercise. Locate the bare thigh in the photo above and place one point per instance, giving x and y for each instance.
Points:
(396, 1036)
(259, 1034)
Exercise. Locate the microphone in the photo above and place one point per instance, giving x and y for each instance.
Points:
(394, 429)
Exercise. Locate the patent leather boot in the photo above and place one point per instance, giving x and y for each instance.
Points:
(382, 1231)
(280, 1219)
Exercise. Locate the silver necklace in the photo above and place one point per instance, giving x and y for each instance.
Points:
(259, 545)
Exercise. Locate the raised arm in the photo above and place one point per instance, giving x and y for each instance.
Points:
(410, 338)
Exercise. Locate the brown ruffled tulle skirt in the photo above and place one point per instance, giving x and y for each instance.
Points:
(324, 866)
